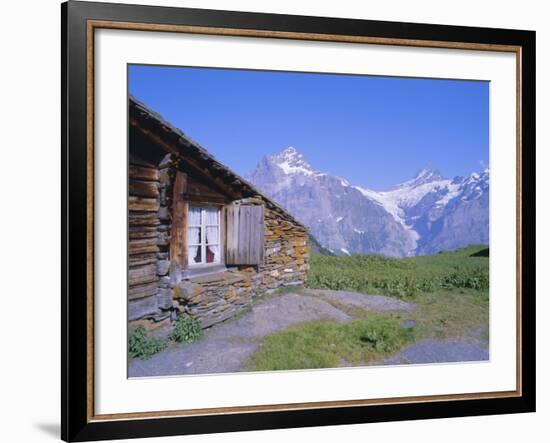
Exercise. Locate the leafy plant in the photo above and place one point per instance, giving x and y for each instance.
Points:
(186, 330)
(141, 345)
(385, 335)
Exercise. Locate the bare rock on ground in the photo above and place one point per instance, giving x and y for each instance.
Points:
(379, 303)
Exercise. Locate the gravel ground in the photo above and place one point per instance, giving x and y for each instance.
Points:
(226, 347)
(379, 303)
(439, 351)
(279, 313)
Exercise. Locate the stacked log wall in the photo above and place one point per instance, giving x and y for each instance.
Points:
(143, 248)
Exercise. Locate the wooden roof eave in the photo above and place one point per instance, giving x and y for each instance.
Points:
(174, 142)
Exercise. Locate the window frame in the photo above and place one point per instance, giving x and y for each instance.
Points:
(220, 259)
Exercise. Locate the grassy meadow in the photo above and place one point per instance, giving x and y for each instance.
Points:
(450, 291)
(466, 268)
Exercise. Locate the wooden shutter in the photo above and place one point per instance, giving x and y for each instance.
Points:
(245, 235)
(178, 235)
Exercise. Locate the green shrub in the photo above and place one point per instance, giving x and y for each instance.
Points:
(472, 279)
(186, 330)
(141, 345)
(385, 335)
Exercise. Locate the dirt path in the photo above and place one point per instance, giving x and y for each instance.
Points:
(378, 303)
(226, 347)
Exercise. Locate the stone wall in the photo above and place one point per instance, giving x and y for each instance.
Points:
(156, 296)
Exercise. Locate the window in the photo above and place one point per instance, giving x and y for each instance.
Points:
(203, 235)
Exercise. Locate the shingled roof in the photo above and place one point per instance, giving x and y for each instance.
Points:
(175, 141)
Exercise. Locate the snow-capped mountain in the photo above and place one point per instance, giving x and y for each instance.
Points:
(423, 215)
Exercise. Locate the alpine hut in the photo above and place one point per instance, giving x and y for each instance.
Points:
(203, 242)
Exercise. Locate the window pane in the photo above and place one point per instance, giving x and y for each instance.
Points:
(194, 236)
(195, 254)
(211, 234)
(212, 254)
(211, 216)
(194, 215)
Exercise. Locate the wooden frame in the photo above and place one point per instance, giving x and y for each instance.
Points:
(79, 20)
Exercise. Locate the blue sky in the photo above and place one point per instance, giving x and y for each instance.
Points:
(374, 131)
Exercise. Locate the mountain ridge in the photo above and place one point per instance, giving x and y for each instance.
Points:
(420, 216)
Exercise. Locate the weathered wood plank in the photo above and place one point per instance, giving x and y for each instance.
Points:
(245, 234)
(137, 232)
(143, 204)
(199, 191)
(134, 160)
(141, 259)
(143, 188)
(143, 219)
(142, 307)
(212, 179)
(142, 274)
(134, 281)
(231, 234)
(143, 173)
(206, 200)
(178, 237)
(244, 240)
(260, 223)
(142, 246)
(141, 291)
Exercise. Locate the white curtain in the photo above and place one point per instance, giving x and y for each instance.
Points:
(211, 235)
(210, 216)
(194, 216)
(194, 235)
(207, 218)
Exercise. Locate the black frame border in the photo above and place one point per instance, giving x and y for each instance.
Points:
(75, 425)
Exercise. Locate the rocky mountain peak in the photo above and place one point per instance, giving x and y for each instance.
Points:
(292, 162)
(426, 175)
(289, 152)
(423, 215)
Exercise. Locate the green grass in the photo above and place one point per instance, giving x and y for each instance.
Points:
(450, 290)
(449, 314)
(326, 344)
(404, 277)
(453, 314)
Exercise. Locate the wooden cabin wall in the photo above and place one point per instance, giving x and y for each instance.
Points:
(143, 224)
(149, 222)
(160, 190)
